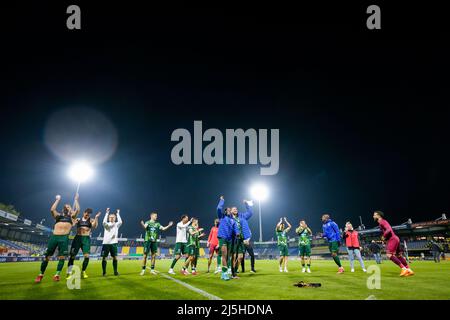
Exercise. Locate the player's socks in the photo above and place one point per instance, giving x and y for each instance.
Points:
(219, 261)
(404, 262)
(143, 267)
(85, 264)
(44, 265)
(104, 266)
(115, 267)
(60, 266)
(224, 269)
(395, 260)
(174, 261)
(337, 261)
(70, 265)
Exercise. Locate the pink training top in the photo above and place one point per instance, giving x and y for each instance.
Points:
(212, 239)
(386, 229)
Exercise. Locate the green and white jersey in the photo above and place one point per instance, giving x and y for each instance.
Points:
(238, 223)
(152, 229)
(192, 239)
(281, 238)
(304, 235)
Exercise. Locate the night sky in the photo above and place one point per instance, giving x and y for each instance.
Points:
(363, 115)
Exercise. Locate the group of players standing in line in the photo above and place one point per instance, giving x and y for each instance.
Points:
(229, 239)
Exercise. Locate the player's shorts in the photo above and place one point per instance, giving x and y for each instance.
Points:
(333, 246)
(214, 248)
(393, 246)
(238, 246)
(180, 248)
(109, 249)
(191, 250)
(304, 250)
(284, 252)
(227, 243)
(80, 242)
(60, 242)
(150, 247)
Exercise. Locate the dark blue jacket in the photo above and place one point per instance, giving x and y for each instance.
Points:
(331, 231)
(227, 226)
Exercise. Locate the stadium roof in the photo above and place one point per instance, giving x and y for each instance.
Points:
(13, 222)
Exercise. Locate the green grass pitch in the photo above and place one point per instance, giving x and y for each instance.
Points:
(430, 282)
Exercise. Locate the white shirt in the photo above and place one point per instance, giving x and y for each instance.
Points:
(181, 232)
(111, 229)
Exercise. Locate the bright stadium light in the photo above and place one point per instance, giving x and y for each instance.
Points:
(260, 192)
(80, 172)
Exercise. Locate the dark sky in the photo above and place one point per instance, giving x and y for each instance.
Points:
(363, 115)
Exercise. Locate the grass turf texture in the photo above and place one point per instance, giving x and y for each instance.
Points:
(430, 282)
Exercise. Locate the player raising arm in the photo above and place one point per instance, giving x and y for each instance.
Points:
(244, 235)
(82, 240)
(181, 241)
(227, 229)
(281, 232)
(304, 245)
(111, 222)
(60, 236)
(152, 228)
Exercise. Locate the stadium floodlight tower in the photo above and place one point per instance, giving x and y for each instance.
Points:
(260, 193)
(80, 172)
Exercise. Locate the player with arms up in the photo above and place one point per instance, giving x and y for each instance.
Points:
(82, 241)
(181, 241)
(227, 230)
(281, 233)
(244, 235)
(111, 222)
(332, 234)
(152, 228)
(60, 237)
(393, 250)
(304, 245)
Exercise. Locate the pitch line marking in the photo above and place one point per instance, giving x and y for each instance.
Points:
(190, 287)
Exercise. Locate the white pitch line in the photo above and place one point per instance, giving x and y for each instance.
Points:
(200, 291)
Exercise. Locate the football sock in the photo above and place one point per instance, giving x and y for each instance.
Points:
(104, 266)
(337, 261)
(85, 264)
(404, 262)
(143, 267)
(224, 269)
(395, 260)
(44, 266)
(60, 265)
(153, 267)
(174, 261)
(115, 265)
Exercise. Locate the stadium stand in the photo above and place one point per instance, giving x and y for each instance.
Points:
(23, 240)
